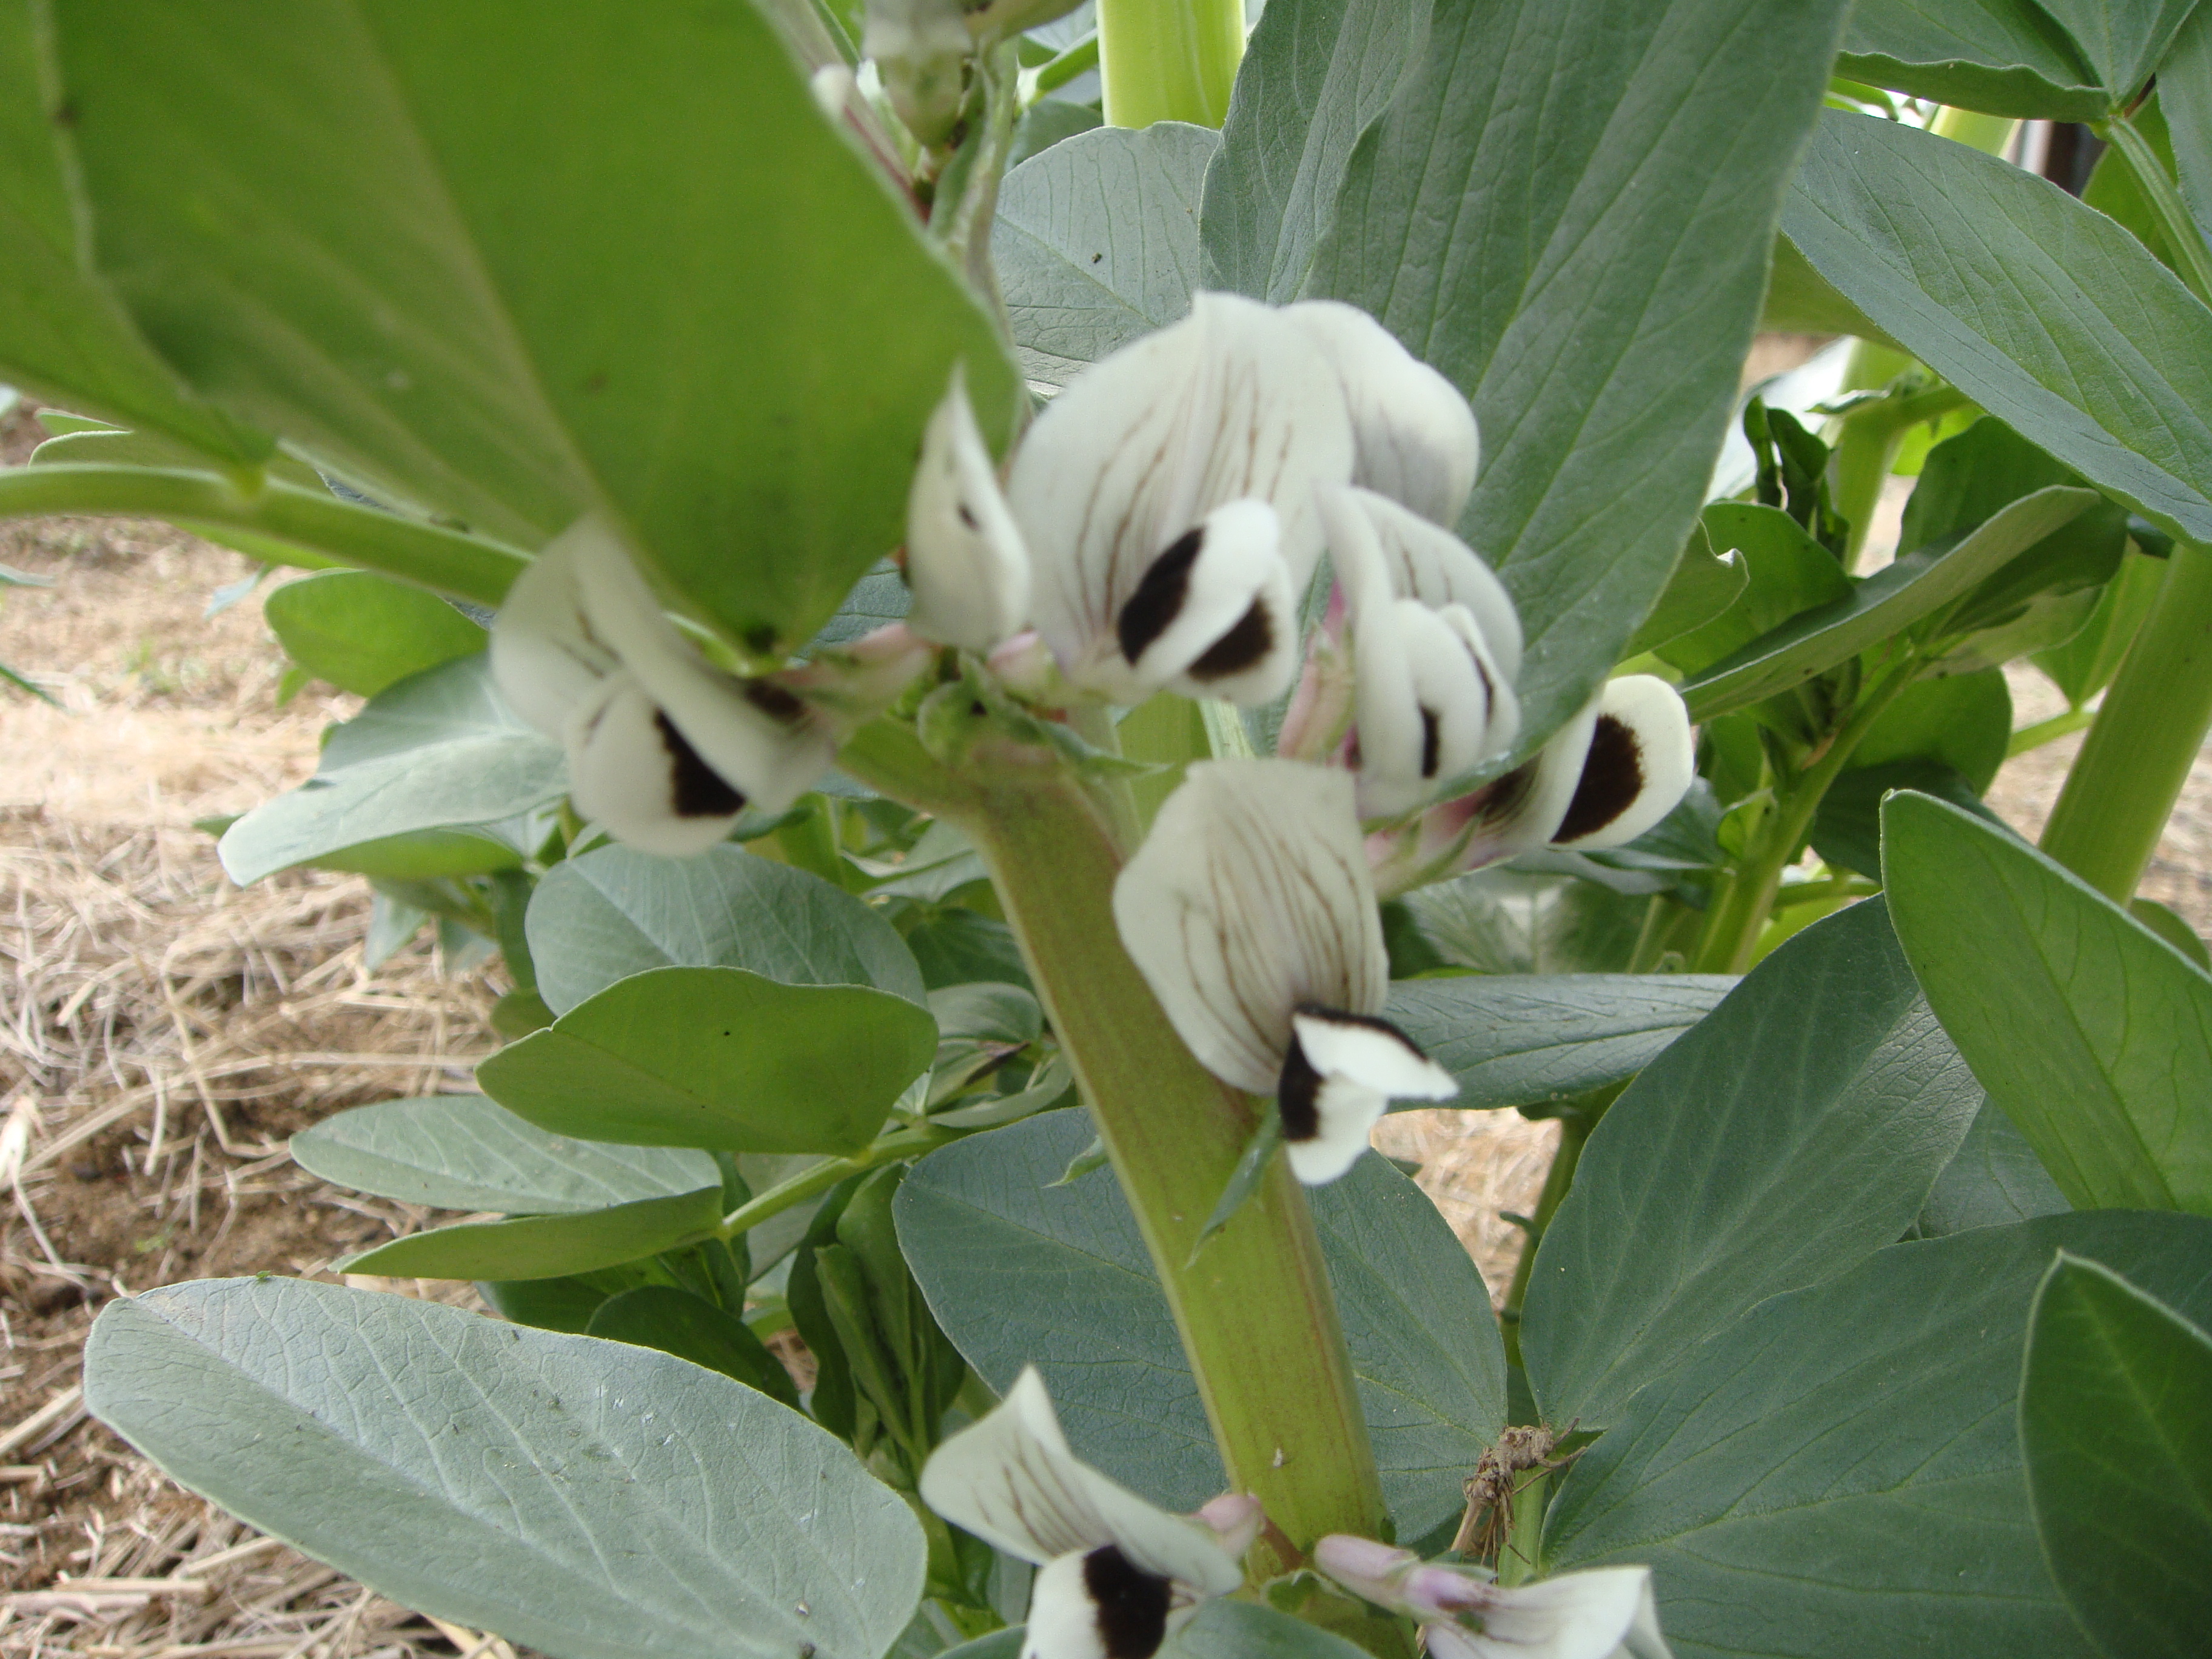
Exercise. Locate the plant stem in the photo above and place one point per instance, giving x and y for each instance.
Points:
(1575, 1126)
(2049, 731)
(1255, 1312)
(1866, 448)
(286, 517)
(1521, 1557)
(785, 1194)
(972, 180)
(2164, 196)
(1168, 60)
(2152, 721)
(1732, 928)
(1059, 72)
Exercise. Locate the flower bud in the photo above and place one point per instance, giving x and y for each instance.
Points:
(921, 48)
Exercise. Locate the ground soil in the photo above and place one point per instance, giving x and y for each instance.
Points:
(163, 1032)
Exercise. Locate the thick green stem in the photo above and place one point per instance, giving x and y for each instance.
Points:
(1168, 60)
(466, 567)
(1732, 931)
(1255, 1310)
(2139, 750)
(2182, 236)
(1521, 1558)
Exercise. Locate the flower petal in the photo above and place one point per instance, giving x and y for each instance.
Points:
(1637, 768)
(543, 655)
(1427, 563)
(753, 733)
(631, 770)
(1010, 1479)
(1230, 404)
(1339, 1078)
(1100, 1606)
(1250, 898)
(1213, 617)
(1416, 436)
(965, 559)
(1596, 1614)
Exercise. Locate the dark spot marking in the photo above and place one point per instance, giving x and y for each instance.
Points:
(1431, 736)
(696, 789)
(1248, 642)
(596, 382)
(1159, 598)
(1132, 1604)
(1096, 258)
(773, 700)
(966, 517)
(1508, 795)
(65, 114)
(762, 639)
(1297, 1095)
(1613, 777)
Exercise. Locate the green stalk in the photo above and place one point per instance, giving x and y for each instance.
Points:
(1867, 448)
(1057, 72)
(1168, 60)
(2174, 218)
(1521, 1557)
(1575, 1126)
(467, 567)
(2152, 721)
(1732, 930)
(820, 1177)
(2049, 731)
(1255, 1310)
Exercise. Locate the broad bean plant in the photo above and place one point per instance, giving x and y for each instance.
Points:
(1015, 621)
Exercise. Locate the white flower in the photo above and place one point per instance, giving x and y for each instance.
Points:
(1141, 582)
(1249, 912)
(1415, 434)
(1605, 777)
(663, 748)
(1117, 1574)
(964, 557)
(1433, 697)
(1598, 1614)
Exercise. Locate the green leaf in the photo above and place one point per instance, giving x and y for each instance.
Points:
(363, 632)
(2122, 39)
(1591, 283)
(547, 1246)
(589, 1500)
(1838, 1473)
(1705, 585)
(1786, 574)
(1763, 1151)
(2005, 57)
(1885, 604)
(1017, 1269)
(465, 1152)
(721, 1058)
(2043, 312)
(1312, 81)
(437, 749)
(2116, 1430)
(2184, 96)
(62, 334)
(550, 1305)
(615, 912)
(952, 946)
(1046, 123)
(1509, 921)
(676, 1321)
(2093, 1034)
(880, 597)
(2085, 664)
(1515, 1040)
(1246, 1630)
(535, 323)
(2170, 926)
(1963, 722)
(1847, 828)
(1993, 1179)
(1096, 242)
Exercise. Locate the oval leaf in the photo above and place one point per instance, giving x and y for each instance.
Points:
(718, 1057)
(363, 632)
(591, 1499)
(547, 1246)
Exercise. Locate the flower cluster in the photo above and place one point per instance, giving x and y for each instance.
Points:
(1161, 527)
(1118, 1575)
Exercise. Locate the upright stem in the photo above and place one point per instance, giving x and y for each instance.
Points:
(1168, 60)
(1732, 931)
(1575, 1126)
(2137, 755)
(1256, 1311)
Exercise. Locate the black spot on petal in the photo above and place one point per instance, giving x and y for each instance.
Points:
(1248, 642)
(1297, 1095)
(966, 517)
(696, 790)
(1159, 598)
(1431, 740)
(775, 702)
(1372, 1021)
(1132, 1604)
(1613, 777)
